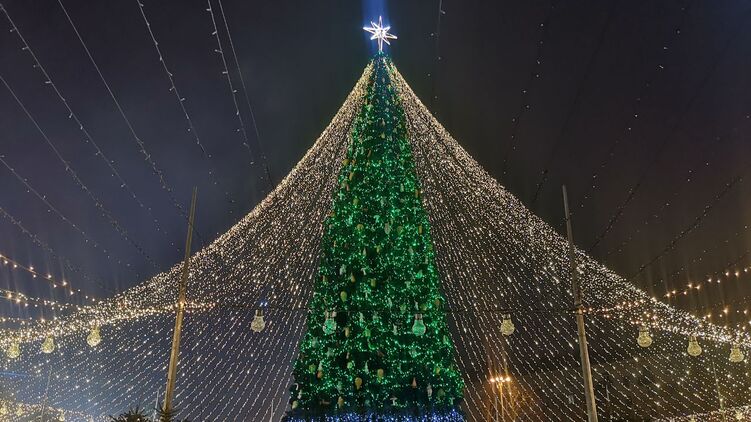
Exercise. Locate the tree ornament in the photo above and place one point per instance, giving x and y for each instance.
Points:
(414, 382)
(739, 415)
(413, 351)
(14, 350)
(358, 383)
(258, 324)
(429, 390)
(387, 228)
(329, 325)
(418, 327)
(346, 331)
(295, 404)
(507, 326)
(736, 355)
(694, 349)
(48, 346)
(94, 337)
(340, 402)
(393, 400)
(645, 338)
(379, 372)
(343, 296)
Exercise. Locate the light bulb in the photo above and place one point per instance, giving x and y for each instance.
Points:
(418, 328)
(693, 347)
(507, 326)
(48, 346)
(329, 326)
(258, 323)
(736, 355)
(644, 339)
(94, 337)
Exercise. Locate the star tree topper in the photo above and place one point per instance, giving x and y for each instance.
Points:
(380, 33)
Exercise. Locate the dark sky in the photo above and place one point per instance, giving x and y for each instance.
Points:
(652, 95)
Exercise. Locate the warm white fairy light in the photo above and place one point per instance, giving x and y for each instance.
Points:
(496, 259)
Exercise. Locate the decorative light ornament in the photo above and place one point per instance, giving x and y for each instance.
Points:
(94, 337)
(48, 346)
(645, 338)
(329, 326)
(14, 350)
(739, 415)
(507, 325)
(693, 347)
(736, 355)
(258, 324)
(380, 33)
(418, 327)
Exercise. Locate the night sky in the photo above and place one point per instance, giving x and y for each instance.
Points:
(652, 97)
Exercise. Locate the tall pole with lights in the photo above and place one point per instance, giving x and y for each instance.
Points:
(589, 391)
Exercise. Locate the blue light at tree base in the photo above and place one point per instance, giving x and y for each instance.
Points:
(449, 415)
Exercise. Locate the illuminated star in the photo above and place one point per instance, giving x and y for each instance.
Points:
(380, 33)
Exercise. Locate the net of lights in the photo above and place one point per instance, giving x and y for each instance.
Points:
(492, 254)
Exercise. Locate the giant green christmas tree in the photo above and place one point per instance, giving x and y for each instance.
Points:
(377, 345)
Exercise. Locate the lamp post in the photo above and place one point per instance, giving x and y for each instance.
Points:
(498, 382)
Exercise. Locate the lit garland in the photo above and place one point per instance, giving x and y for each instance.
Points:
(74, 117)
(494, 257)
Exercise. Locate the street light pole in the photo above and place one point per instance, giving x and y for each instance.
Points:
(175, 353)
(589, 391)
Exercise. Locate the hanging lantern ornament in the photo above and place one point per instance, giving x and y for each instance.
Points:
(693, 347)
(94, 337)
(507, 325)
(418, 328)
(736, 355)
(258, 324)
(645, 338)
(329, 326)
(14, 350)
(48, 346)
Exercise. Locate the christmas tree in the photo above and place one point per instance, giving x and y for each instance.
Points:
(377, 345)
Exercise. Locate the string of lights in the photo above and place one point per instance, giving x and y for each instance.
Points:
(63, 284)
(233, 92)
(688, 229)
(141, 144)
(73, 116)
(86, 238)
(678, 120)
(492, 254)
(74, 175)
(574, 107)
(181, 103)
(633, 118)
(259, 143)
(51, 252)
(534, 74)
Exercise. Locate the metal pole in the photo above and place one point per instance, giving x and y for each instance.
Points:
(589, 391)
(174, 355)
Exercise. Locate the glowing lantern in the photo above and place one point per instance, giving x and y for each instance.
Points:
(418, 328)
(507, 326)
(94, 337)
(736, 355)
(693, 347)
(258, 324)
(644, 339)
(48, 346)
